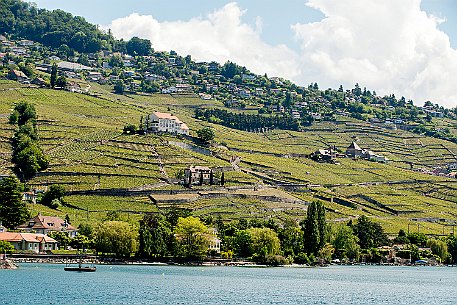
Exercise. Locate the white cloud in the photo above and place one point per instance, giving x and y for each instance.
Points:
(221, 36)
(389, 46)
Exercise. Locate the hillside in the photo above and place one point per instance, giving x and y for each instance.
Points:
(103, 170)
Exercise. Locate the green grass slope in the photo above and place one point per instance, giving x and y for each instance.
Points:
(107, 171)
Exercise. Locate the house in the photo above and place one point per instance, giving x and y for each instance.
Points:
(198, 175)
(165, 122)
(54, 58)
(45, 224)
(71, 66)
(248, 77)
(213, 66)
(18, 76)
(245, 93)
(39, 82)
(324, 155)
(452, 166)
(354, 151)
(295, 114)
(169, 90)
(214, 242)
(38, 243)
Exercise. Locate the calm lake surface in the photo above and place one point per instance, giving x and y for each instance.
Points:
(49, 284)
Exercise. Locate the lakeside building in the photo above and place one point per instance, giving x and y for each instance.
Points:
(165, 122)
(37, 243)
(46, 224)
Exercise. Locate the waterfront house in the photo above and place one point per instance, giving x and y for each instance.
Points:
(46, 224)
(38, 243)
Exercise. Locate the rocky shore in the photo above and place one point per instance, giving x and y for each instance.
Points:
(7, 264)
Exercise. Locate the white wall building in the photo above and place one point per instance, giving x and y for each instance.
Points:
(165, 122)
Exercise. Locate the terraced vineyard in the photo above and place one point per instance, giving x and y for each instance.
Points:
(104, 170)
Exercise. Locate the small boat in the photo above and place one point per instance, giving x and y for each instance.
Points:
(80, 268)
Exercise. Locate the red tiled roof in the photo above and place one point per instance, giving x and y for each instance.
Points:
(28, 237)
(46, 222)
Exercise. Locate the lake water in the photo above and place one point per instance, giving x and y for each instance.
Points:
(49, 284)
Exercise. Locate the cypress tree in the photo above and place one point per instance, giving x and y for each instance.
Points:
(314, 227)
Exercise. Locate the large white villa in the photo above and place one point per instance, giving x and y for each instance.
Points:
(165, 122)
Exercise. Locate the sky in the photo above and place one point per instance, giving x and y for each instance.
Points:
(404, 47)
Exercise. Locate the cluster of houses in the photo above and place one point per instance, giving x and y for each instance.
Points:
(354, 151)
(449, 170)
(32, 236)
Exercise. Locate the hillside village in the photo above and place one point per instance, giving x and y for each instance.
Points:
(119, 128)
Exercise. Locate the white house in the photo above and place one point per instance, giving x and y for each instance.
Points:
(165, 122)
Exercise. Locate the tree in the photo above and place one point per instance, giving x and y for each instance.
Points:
(370, 234)
(206, 134)
(6, 247)
(192, 238)
(53, 75)
(13, 211)
(242, 243)
(264, 242)
(439, 248)
(116, 237)
(345, 242)
(129, 129)
(61, 237)
(25, 113)
(61, 82)
(138, 46)
(315, 227)
(452, 247)
(119, 87)
(55, 192)
(156, 236)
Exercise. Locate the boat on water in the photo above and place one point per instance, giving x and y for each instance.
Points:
(80, 267)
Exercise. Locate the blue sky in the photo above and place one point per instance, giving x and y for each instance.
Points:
(406, 47)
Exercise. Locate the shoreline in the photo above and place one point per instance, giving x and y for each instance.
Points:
(245, 264)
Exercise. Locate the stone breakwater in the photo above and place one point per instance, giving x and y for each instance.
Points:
(7, 264)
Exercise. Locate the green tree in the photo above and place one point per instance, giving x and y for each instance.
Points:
(116, 237)
(6, 247)
(315, 227)
(119, 87)
(61, 81)
(61, 237)
(55, 192)
(452, 247)
(129, 129)
(370, 234)
(439, 248)
(242, 243)
(53, 75)
(138, 46)
(156, 236)
(264, 242)
(206, 134)
(345, 242)
(25, 113)
(192, 238)
(13, 211)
